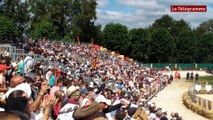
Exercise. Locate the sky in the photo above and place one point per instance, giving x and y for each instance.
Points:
(142, 13)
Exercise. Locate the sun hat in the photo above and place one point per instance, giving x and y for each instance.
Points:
(23, 86)
(84, 91)
(102, 99)
(71, 90)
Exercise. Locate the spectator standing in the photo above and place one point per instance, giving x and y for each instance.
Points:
(28, 62)
(66, 112)
(196, 77)
(192, 77)
(187, 76)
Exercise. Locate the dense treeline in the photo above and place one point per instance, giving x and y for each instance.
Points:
(166, 40)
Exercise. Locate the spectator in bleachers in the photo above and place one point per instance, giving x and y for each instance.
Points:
(28, 62)
(95, 71)
(20, 66)
(3, 73)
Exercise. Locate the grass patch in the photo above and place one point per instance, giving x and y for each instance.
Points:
(204, 79)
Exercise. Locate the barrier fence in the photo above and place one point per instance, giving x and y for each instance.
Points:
(175, 66)
(193, 91)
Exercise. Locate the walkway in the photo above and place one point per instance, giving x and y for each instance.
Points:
(170, 99)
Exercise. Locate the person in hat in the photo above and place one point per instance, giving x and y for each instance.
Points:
(67, 111)
(105, 106)
(3, 72)
(73, 94)
(83, 93)
(17, 103)
(9, 116)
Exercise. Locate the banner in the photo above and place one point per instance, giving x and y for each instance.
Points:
(103, 49)
(113, 53)
(117, 54)
(78, 40)
(121, 56)
(96, 46)
(126, 58)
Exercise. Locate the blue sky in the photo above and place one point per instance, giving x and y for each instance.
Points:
(142, 13)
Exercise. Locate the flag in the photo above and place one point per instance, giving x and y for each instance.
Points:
(44, 40)
(92, 41)
(78, 40)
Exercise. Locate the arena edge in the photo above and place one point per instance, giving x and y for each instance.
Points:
(188, 8)
(187, 101)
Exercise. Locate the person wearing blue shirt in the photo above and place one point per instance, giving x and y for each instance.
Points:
(52, 80)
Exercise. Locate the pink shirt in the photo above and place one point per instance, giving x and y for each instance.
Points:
(53, 89)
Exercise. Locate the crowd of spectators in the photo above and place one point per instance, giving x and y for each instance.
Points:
(78, 82)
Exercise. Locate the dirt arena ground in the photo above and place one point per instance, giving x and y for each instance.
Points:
(170, 98)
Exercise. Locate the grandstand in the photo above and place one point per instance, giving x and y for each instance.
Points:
(94, 65)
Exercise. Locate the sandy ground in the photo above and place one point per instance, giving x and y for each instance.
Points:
(183, 73)
(170, 98)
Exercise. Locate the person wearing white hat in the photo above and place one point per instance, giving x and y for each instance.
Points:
(73, 94)
(66, 112)
(17, 103)
(105, 106)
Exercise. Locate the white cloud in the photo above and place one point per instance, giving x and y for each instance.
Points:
(147, 11)
(103, 3)
(185, 2)
(142, 4)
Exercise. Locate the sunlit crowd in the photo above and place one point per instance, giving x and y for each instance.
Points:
(73, 81)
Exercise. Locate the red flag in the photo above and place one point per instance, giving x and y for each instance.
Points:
(78, 40)
(92, 41)
(44, 40)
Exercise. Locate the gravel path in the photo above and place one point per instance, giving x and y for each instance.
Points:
(170, 98)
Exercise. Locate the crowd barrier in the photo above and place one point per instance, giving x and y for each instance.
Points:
(176, 66)
(193, 92)
(205, 103)
(7, 47)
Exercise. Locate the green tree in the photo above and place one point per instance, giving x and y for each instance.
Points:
(139, 44)
(187, 46)
(7, 28)
(205, 27)
(165, 21)
(116, 37)
(178, 26)
(17, 10)
(161, 46)
(84, 20)
(70, 17)
(205, 48)
(44, 28)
